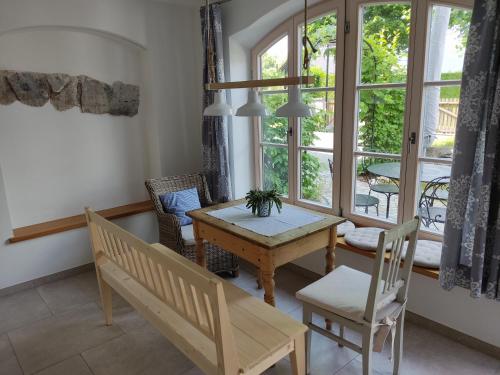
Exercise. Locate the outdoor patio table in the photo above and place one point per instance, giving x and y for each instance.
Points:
(391, 170)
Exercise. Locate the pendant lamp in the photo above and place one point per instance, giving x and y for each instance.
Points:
(295, 106)
(219, 107)
(253, 107)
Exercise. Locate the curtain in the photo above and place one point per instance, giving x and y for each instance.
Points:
(214, 129)
(471, 246)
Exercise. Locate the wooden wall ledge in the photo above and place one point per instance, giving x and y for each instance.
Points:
(73, 222)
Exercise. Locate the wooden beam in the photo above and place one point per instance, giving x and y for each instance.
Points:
(73, 222)
(288, 81)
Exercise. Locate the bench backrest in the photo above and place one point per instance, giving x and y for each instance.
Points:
(192, 292)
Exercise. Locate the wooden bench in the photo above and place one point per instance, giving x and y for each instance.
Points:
(221, 328)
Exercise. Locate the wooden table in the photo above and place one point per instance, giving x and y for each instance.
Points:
(266, 253)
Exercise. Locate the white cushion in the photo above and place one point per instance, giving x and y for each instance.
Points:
(188, 235)
(427, 253)
(344, 292)
(345, 227)
(364, 238)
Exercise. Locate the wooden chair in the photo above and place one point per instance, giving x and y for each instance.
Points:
(181, 239)
(221, 328)
(370, 304)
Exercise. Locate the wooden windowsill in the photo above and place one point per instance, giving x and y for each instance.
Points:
(73, 222)
(429, 272)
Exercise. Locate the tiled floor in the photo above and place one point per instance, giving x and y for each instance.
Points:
(57, 329)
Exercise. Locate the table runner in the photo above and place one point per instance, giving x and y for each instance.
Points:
(291, 217)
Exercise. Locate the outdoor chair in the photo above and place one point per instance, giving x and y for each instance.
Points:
(360, 200)
(434, 201)
(369, 304)
(376, 184)
(181, 238)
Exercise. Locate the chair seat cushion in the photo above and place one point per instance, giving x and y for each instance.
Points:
(364, 238)
(345, 227)
(427, 253)
(180, 202)
(188, 235)
(343, 292)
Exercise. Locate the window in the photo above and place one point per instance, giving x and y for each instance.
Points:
(379, 146)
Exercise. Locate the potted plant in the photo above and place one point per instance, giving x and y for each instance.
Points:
(262, 201)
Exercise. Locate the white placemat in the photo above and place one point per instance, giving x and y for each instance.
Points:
(290, 218)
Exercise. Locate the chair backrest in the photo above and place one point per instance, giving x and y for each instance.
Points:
(396, 280)
(196, 295)
(435, 190)
(159, 186)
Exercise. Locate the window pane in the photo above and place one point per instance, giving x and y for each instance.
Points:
(384, 43)
(439, 121)
(448, 34)
(317, 130)
(274, 61)
(432, 195)
(316, 174)
(274, 129)
(381, 120)
(323, 35)
(275, 169)
(376, 188)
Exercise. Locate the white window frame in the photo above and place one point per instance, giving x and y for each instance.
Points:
(346, 106)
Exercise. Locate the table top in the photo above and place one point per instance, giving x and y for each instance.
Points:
(268, 242)
(392, 170)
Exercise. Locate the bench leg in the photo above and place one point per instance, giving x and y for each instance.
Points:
(106, 301)
(298, 356)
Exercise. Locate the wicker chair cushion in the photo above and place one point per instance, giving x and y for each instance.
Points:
(364, 238)
(179, 202)
(427, 253)
(345, 227)
(188, 235)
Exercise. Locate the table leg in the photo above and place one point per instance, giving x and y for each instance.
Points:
(330, 261)
(267, 271)
(200, 249)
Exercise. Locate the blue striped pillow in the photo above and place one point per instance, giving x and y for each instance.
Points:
(179, 202)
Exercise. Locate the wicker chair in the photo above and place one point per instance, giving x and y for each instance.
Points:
(181, 239)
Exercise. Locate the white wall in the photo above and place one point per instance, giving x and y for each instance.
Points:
(244, 24)
(55, 163)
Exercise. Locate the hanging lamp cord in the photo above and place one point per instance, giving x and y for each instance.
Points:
(307, 44)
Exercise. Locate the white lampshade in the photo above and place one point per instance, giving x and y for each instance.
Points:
(253, 107)
(219, 106)
(295, 107)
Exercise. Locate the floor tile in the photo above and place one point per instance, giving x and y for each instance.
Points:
(21, 308)
(60, 337)
(127, 318)
(355, 367)
(8, 360)
(139, 352)
(74, 366)
(426, 352)
(64, 295)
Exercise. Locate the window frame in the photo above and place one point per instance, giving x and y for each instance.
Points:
(346, 110)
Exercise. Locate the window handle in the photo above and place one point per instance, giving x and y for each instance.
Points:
(290, 131)
(412, 140)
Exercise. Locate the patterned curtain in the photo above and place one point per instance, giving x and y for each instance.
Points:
(214, 129)
(471, 247)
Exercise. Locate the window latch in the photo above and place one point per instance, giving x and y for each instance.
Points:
(290, 131)
(412, 140)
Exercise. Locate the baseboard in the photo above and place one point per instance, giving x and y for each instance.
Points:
(46, 279)
(419, 320)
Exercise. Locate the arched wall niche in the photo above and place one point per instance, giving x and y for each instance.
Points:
(55, 163)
